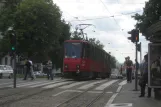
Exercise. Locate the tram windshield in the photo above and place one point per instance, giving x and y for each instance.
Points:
(72, 50)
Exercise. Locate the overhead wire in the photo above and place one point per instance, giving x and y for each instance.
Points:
(109, 12)
(108, 16)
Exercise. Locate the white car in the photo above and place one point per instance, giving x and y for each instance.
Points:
(6, 71)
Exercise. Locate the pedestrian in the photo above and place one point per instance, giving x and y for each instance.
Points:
(28, 66)
(129, 65)
(144, 79)
(49, 69)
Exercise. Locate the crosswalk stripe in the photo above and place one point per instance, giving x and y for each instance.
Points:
(105, 85)
(57, 84)
(38, 85)
(24, 83)
(90, 85)
(32, 83)
(123, 82)
(71, 85)
(10, 83)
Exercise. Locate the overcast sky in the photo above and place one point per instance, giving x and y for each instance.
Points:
(111, 31)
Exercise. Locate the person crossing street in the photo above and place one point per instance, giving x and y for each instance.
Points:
(49, 70)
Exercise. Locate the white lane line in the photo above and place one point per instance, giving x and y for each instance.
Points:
(95, 92)
(114, 95)
(71, 85)
(25, 83)
(90, 85)
(121, 105)
(119, 89)
(43, 84)
(66, 91)
(111, 100)
(34, 83)
(123, 82)
(59, 93)
(11, 83)
(57, 84)
(79, 92)
(105, 85)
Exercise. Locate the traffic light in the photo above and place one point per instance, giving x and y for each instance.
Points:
(12, 42)
(138, 47)
(134, 35)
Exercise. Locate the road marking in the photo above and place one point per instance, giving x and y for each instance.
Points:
(123, 82)
(103, 86)
(95, 92)
(109, 92)
(57, 84)
(79, 92)
(43, 84)
(32, 83)
(108, 104)
(90, 85)
(121, 105)
(26, 83)
(111, 100)
(66, 91)
(11, 83)
(119, 89)
(60, 93)
(71, 85)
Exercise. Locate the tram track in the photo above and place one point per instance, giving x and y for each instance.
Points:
(78, 95)
(90, 103)
(30, 94)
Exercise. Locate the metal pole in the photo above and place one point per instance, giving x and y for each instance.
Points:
(136, 72)
(15, 71)
(140, 53)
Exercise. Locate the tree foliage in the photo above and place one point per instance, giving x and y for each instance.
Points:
(77, 36)
(151, 14)
(113, 62)
(37, 25)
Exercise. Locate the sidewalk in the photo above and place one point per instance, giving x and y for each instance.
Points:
(127, 95)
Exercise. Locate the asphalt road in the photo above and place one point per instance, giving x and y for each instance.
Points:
(59, 93)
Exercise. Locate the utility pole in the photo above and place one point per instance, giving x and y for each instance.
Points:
(135, 39)
(12, 36)
(136, 72)
(140, 53)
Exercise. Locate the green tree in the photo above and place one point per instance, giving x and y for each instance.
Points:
(38, 26)
(151, 14)
(113, 61)
(96, 43)
(76, 36)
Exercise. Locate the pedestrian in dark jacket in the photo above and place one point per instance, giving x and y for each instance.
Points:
(28, 66)
(144, 79)
(49, 70)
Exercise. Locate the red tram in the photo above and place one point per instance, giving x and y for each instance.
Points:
(84, 60)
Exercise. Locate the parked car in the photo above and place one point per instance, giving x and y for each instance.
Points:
(6, 71)
(116, 74)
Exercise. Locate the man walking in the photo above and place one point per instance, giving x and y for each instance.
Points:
(144, 79)
(28, 66)
(129, 65)
(49, 70)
